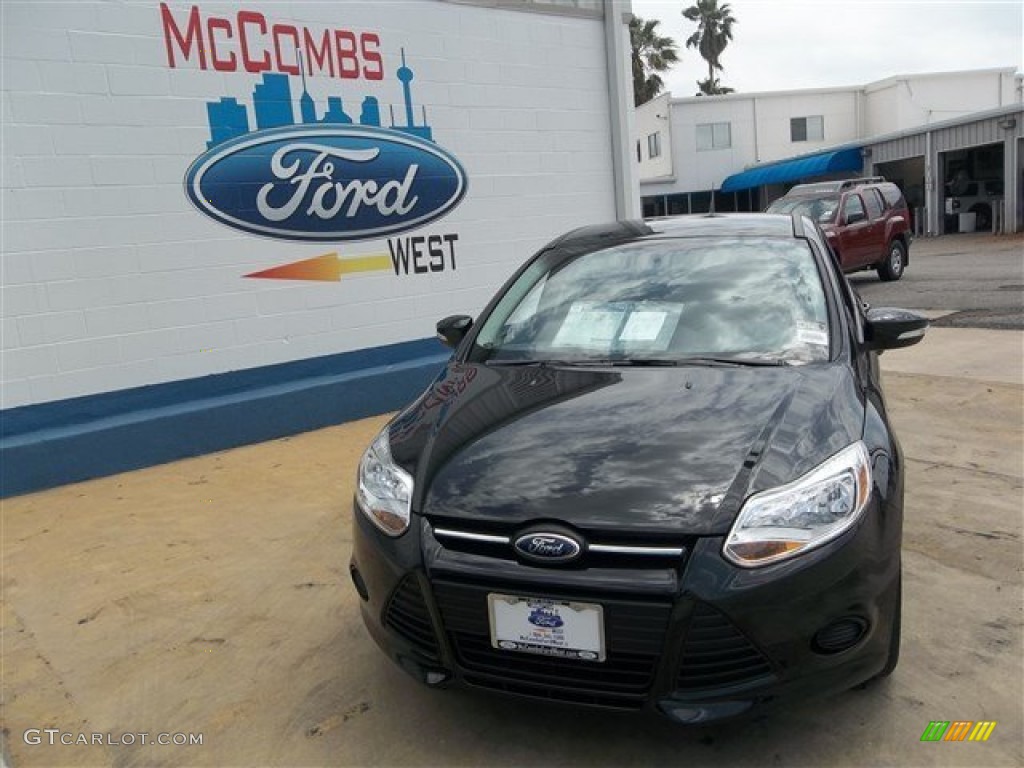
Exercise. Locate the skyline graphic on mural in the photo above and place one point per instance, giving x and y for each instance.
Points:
(273, 107)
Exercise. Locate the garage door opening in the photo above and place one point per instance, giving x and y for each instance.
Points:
(973, 188)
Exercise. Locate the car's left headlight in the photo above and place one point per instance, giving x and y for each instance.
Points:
(384, 489)
(797, 517)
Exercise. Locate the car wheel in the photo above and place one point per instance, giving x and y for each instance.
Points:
(982, 218)
(895, 262)
(894, 637)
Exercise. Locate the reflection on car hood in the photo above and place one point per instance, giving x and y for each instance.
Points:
(648, 451)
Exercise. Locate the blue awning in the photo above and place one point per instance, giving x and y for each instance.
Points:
(794, 170)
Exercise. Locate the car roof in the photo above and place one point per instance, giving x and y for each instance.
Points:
(694, 225)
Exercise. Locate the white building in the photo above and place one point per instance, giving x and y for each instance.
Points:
(686, 148)
(229, 221)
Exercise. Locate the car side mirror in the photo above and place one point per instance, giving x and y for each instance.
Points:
(888, 328)
(853, 218)
(453, 329)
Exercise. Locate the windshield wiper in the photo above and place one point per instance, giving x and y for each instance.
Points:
(540, 363)
(651, 362)
(741, 361)
(641, 362)
(583, 362)
(683, 361)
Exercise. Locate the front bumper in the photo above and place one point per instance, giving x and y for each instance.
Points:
(697, 639)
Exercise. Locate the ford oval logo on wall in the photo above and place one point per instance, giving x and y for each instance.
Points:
(326, 183)
(548, 547)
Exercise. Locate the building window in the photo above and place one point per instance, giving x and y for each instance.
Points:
(639, 157)
(654, 145)
(807, 128)
(714, 136)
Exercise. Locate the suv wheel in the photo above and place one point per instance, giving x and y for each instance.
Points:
(895, 262)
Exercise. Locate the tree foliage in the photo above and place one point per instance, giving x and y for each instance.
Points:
(712, 88)
(713, 33)
(652, 54)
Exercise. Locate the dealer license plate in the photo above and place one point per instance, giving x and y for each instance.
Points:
(547, 627)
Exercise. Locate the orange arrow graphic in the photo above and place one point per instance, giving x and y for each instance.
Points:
(327, 268)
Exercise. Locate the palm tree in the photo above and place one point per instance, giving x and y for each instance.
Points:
(652, 53)
(714, 31)
(712, 87)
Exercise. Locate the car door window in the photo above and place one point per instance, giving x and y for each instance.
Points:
(852, 207)
(873, 202)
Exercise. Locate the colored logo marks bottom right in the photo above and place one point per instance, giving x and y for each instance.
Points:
(958, 730)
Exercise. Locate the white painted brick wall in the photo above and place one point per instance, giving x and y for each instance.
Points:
(102, 48)
(54, 172)
(45, 109)
(27, 141)
(110, 279)
(68, 77)
(138, 81)
(50, 328)
(20, 75)
(21, 41)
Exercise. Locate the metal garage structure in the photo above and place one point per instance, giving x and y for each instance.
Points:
(925, 159)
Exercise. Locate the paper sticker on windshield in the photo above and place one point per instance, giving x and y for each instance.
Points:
(812, 333)
(589, 324)
(643, 326)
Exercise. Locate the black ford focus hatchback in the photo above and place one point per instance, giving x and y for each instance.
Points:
(657, 472)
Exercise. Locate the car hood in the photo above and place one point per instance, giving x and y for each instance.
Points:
(632, 450)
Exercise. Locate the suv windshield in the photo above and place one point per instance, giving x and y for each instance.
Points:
(736, 300)
(821, 209)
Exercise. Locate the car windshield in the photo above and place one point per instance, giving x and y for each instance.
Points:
(822, 209)
(748, 300)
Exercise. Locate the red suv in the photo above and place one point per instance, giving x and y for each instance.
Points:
(866, 221)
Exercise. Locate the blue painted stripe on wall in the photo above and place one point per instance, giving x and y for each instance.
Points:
(71, 440)
(79, 410)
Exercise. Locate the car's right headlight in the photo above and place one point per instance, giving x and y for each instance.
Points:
(783, 522)
(384, 489)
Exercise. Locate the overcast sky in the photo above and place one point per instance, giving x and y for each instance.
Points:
(785, 44)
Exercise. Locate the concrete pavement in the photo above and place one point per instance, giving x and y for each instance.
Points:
(979, 277)
(980, 355)
(211, 596)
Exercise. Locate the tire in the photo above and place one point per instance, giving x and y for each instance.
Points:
(982, 218)
(895, 262)
(894, 637)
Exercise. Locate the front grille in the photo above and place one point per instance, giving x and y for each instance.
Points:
(634, 634)
(717, 655)
(495, 541)
(407, 615)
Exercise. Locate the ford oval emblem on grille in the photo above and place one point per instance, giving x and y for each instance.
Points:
(548, 547)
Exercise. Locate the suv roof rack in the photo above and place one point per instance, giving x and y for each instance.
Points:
(834, 186)
(865, 180)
